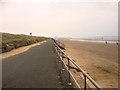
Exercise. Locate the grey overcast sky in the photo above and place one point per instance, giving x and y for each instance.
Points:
(68, 18)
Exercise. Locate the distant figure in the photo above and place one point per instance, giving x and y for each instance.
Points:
(102, 38)
(117, 43)
(30, 33)
(106, 42)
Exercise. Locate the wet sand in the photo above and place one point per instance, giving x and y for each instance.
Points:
(100, 60)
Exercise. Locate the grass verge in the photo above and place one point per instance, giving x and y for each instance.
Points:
(13, 41)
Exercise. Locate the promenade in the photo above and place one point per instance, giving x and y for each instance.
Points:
(35, 68)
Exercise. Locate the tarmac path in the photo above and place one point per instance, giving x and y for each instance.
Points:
(35, 68)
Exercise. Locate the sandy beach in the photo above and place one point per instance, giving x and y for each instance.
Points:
(100, 60)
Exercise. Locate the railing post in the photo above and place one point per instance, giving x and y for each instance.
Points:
(69, 82)
(84, 82)
(59, 57)
(58, 54)
(56, 50)
(62, 62)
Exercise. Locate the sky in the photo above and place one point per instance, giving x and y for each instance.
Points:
(68, 18)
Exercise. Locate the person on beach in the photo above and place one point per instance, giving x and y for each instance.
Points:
(106, 42)
(117, 43)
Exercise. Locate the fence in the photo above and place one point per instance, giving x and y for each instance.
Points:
(70, 77)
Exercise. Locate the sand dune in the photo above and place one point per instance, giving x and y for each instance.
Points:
(100, 60)
(19, 50)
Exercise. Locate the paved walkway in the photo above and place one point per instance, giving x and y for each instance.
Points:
(35, 68)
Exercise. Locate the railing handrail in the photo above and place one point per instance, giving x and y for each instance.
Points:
(83, 72)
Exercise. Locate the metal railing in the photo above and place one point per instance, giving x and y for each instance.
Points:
(61, 54)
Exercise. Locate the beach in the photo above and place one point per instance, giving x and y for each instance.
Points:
(100, 60)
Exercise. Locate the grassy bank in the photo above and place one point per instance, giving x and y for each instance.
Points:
(13, 41)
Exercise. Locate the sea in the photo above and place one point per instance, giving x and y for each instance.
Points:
(108, 39)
